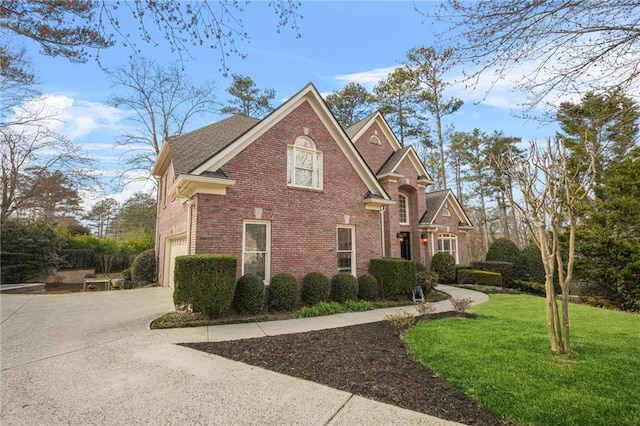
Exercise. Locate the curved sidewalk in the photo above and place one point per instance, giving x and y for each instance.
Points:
(218, 333)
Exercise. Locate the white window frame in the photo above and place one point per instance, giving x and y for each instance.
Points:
(352, 229)
(267, 252)
(452, 239)
(316, 170)
(405, 198)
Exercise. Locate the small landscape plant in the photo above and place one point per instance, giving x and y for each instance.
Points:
(315, 288)
(461, 306)
(283, 292)
(344, 286)
(425, 308)
(400, 320)
(249, 297)
(319, 309)
(143, 269)
(357, 306)
(367, 287)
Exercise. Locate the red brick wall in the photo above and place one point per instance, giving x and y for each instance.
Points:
(172, 220)
(374, 155)
(449, 225)
(303, 221)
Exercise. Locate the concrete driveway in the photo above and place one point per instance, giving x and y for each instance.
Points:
(90, 358)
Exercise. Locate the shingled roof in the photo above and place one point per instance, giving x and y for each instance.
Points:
(434, 202)
(356, 127)
(393, 161)
(191, 149)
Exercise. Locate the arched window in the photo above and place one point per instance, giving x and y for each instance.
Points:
(304, 164)
(375, 140)
(448, 243)
(403, 208)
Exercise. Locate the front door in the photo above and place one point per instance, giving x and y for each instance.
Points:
(405, 246)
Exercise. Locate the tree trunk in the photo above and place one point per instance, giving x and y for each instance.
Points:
(553, 322)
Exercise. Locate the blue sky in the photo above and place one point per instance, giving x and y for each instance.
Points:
(340, 42)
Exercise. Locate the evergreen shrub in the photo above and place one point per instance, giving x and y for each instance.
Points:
(504, 268)
(249, 297)
(315, 288)
(477, 277)
(444, 264)
(143, 269)
(505, 250)
(206, 281)
(344, 286)
(534, 269)
(367, 287)
(396, 277)
(283, 292)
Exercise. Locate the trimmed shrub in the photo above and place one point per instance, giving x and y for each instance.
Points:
(474, 276)
(249, 297)
(206, 281)
(420, 267)
(126, 274)
(315, 288)
(504, 268)
(344, 286)
(396, 277)
(534, 269)
(461, 268)
(530, 287)
(444, 264)
(143, 269)
(505, 250)
(283, 292)
(367, 287)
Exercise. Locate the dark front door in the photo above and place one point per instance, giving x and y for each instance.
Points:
(405, 246)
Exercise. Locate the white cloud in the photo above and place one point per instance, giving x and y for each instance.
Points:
(367, 78)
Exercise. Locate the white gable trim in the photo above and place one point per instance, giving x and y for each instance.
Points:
(386, 130)
(453, 201)
(308, 94)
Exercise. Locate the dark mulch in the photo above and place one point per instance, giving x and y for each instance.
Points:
(369, 360)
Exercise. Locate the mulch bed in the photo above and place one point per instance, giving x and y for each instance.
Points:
(369, 360)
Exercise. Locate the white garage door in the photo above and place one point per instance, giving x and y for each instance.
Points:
(175, 247)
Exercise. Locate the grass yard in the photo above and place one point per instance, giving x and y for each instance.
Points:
(502, 360)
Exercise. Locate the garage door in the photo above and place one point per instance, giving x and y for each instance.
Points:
(176, 247)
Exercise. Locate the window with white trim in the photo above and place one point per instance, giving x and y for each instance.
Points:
(256, 249)
(403, 208)
(304, 164)
(448, 243)
(346, 249)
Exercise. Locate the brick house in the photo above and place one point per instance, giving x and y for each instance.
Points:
(295, 192)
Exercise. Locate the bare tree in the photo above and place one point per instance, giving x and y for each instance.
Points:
(558, 46)
(77, 30)
(428, 67)
(551, 196)
(163, 100)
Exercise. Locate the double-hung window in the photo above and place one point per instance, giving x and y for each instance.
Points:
(304, 164)
(403, 208)
(256, 251)
(448, 243)
(346, 249)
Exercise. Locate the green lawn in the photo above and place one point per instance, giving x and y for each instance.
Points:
(502, 360)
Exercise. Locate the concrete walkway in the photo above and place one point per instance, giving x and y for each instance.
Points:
(218, 333)
(90, 359)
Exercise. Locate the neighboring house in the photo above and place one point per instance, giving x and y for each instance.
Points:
(295, 192)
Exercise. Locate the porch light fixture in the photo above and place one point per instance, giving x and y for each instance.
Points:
(400, 237)
(424, 237)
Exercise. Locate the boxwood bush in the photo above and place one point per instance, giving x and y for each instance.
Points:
(143, 269)
(444, 264)
(315, 288)
(344, 286)
(504, 268)
(505, 250)
(249, 297)
(283, 292)
(206, 281)
(396, 277)
(367, 287)
(475, 276)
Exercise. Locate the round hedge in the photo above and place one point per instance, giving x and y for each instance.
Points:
(344, 286)
(505, 250)
(283, 292)
(533, 267)
(367, 287)
(315, 288)
(249, 297)
(444, 264)
(143, 269)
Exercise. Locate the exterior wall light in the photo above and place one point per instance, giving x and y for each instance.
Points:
(424, 237)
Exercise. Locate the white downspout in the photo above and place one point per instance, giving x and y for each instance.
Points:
(382, 230)
(189, 220)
